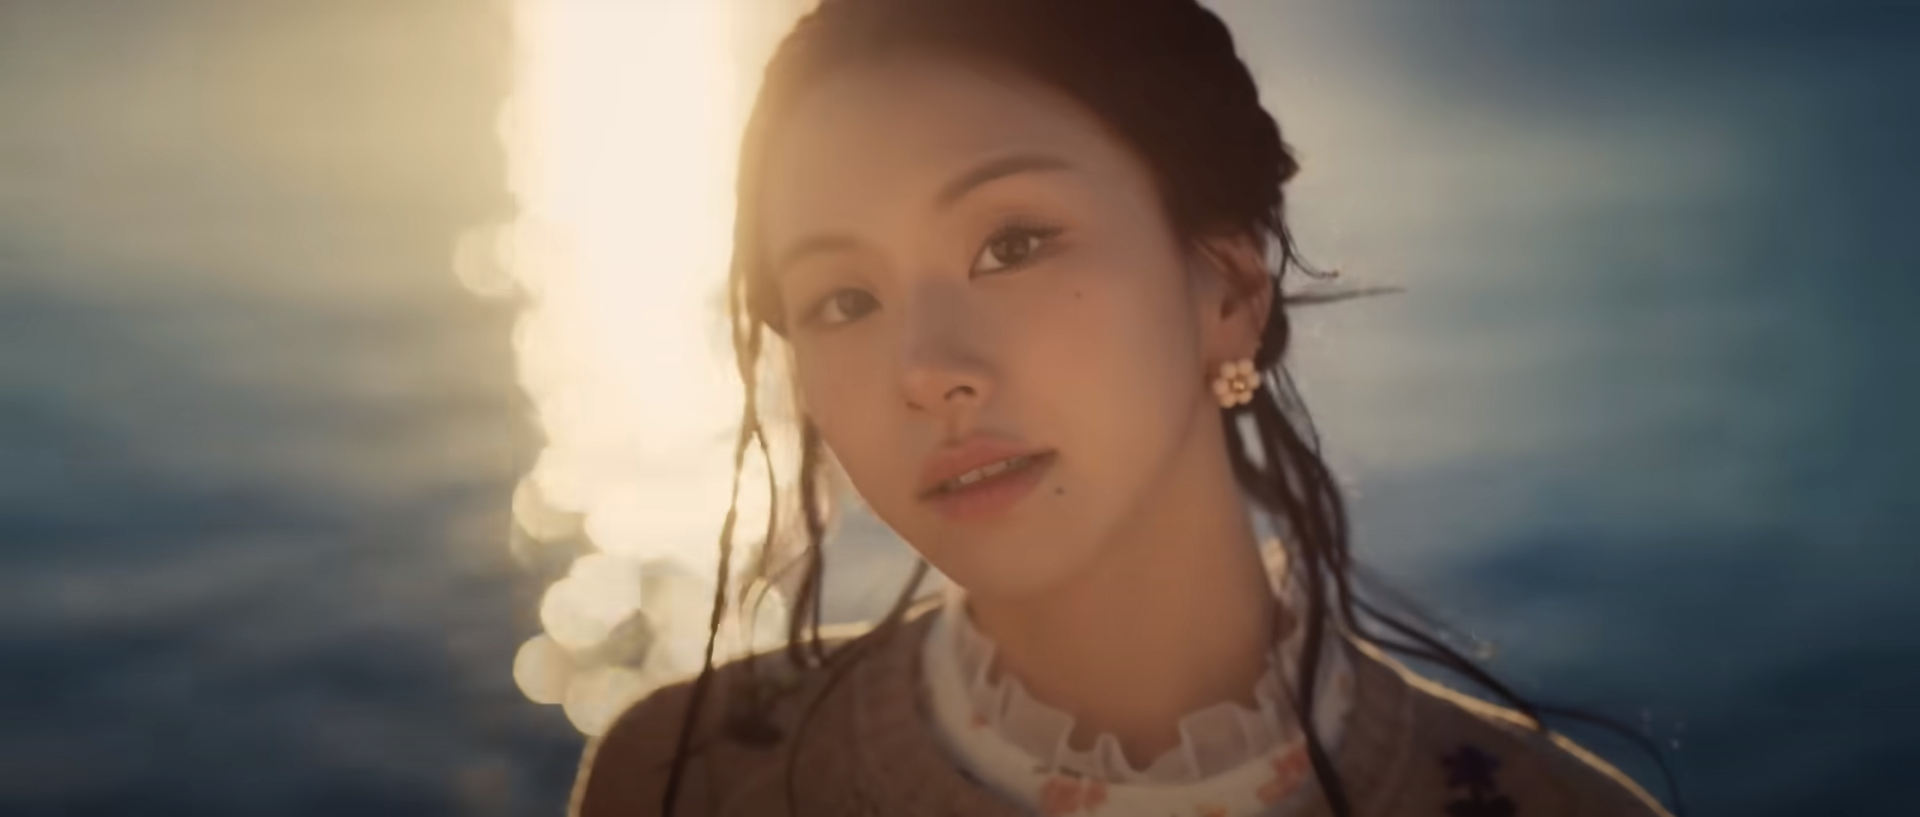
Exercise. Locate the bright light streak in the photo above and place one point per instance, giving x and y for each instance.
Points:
(621, 134)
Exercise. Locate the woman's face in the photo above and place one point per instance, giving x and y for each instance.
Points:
(960, 253)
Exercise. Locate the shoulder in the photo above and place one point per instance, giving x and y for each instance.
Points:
(1471, 757)
(624, 770)
(732, 765)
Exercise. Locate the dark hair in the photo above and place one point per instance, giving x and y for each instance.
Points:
(1165, 77)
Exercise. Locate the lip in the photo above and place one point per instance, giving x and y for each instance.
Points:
(994, 495)
(973, 451)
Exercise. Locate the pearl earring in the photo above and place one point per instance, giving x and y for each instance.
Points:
(1237, 382)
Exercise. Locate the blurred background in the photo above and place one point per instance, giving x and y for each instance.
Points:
(364, 412)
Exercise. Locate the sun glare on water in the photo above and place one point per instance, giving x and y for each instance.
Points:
(621, 132)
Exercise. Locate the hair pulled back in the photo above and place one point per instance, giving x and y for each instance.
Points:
(1165, 78)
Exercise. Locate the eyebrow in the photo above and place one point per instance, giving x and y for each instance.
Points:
(815, 245)
(997, 169)
(949, 194)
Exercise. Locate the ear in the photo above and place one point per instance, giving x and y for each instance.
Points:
(1236, 295)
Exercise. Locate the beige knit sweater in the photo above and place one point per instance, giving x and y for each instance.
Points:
(1412, 749)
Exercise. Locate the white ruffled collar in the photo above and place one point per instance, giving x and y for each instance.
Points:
(1229, 752)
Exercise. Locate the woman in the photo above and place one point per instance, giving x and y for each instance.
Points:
(1024, 257)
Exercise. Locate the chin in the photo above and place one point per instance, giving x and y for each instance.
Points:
(1011, 567)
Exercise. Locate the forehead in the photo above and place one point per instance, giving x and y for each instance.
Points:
(881, 137)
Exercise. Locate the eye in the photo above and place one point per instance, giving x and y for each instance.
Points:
(843, 306)
(1013, 246)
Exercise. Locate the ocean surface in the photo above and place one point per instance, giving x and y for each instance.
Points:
(1643, 416)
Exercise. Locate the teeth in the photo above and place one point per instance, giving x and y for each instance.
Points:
(983, 472)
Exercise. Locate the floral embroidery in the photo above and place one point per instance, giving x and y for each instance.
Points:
(1059, 795)
(1288, 770)
(1056, 783)
(1070, 794)
(1094, 794)
(1064, 794)
(1471, 768)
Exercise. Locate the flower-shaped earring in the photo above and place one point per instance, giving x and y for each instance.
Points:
(1237, 382)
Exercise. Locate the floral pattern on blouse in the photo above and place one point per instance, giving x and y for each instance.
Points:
(994, 732)
(1288, 771)
(1071, 794)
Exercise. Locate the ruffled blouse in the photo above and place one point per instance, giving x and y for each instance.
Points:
(1232, 759)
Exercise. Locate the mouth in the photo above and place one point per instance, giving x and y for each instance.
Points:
(990, 489)
(989, 471)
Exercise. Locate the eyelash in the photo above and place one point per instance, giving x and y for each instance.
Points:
(1020, 227)
(1046, 233)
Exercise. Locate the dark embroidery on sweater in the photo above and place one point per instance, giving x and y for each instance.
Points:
(1471, 768)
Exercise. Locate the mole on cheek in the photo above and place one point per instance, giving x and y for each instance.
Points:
(1059, 490)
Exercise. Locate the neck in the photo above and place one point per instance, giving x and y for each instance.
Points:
(1176, 616)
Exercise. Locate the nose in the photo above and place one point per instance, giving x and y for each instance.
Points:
(945, 381)
(945, 371)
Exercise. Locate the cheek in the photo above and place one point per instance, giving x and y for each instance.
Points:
(848, 398)
(1114, 370)
(1123, 345)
